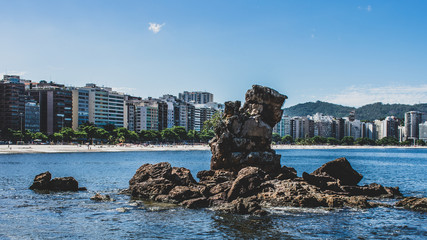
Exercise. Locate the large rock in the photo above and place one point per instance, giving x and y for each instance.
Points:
(43, 182)
(162, 182)
(243, 136)
(339, 169)
(247, 183)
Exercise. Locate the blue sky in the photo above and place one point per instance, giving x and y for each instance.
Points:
(345, 52)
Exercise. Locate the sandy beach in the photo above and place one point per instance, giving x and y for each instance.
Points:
(21, 149)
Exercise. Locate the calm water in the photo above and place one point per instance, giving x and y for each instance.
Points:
(25, 214)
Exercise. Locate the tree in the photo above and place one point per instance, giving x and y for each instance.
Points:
(168, 135)
(193, 135)
(388, 141)
(39, 135)
(406, 143)
(56, 137)
(276, 137)
(420, 142)
(180, 131)
(287, 139)
(102, 134)
(207, 135)
(90, 131)
(364, 141)
(333, 141)
(80, 136)
(347, 140)
(211, 123)
(317, 140)
(67, 133)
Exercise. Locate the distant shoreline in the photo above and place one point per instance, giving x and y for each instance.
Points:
(26, 149)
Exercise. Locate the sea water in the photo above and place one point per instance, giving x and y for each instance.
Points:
(25, 214)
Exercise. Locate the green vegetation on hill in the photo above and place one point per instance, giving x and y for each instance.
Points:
(368, 112)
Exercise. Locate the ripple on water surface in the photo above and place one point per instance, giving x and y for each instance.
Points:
(25, 214)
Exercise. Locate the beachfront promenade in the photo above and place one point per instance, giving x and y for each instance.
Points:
(17, 149)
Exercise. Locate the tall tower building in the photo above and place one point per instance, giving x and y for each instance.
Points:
(12, 103)
(412, 121)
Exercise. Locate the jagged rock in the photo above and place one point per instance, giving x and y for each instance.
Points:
(413, 203)
(247, 205)
(101, 198)
(339, 169)
(372, 190)
(247, 183)
(287, 173)
(43, 181)
(243, 136)
(181, 193)
(147, 171)
(151, 188)
(215, 176)
(201, 202)
(182, 176)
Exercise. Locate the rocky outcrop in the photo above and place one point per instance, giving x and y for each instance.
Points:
(243, 136)
(44, 182)
(413, 203)
(246, 174)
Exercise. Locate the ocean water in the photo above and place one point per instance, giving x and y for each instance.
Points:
(25, 214)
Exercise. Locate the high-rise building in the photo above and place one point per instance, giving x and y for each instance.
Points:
(196, 97)
(412, 122)
(98, 105)
(55, 103)
(423, 131)
(283, 127)
(323, 125)
(204, 112)
(12, 103)
(32, 116)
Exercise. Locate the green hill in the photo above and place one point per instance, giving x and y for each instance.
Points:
(368, 112)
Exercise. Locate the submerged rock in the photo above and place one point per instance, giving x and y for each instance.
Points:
(413, 203)
(43, 182)
(101, 198)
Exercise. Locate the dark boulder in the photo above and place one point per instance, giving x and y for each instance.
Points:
(339, 169)
(64, 184)
(43, 182)
(247, 183)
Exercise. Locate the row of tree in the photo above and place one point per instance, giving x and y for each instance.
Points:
(348, 140)
(88, 133)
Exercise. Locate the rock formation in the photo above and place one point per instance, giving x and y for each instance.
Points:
(243, 136)
(43, 182)
(246, 174)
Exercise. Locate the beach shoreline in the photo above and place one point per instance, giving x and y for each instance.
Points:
(30, 148)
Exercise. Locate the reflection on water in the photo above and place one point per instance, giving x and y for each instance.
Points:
(25, 214)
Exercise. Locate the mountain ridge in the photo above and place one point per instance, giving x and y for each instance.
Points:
(367, 112)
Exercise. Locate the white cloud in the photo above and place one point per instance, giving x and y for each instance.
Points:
(155, 27)
(368, 8)
(359, 96)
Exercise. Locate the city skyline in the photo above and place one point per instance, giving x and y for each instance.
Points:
(349, 53)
